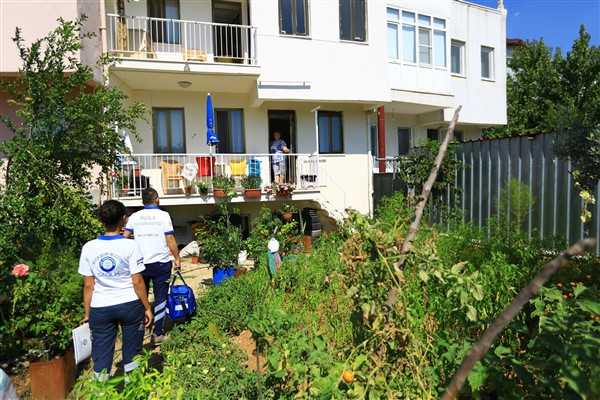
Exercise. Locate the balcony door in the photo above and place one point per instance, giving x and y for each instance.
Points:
(162, 30)
(284, 122)
(228, 40)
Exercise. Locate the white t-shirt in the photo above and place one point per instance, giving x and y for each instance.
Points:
(111, 260)
(149, 226)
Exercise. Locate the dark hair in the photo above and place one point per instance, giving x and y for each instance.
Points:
(111, 212)
(149, 195)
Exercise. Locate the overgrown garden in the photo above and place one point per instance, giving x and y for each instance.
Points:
(322, 330)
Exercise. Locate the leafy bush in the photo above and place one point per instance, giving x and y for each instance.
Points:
(220, 241)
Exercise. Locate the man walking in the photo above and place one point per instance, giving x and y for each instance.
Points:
(153, 231)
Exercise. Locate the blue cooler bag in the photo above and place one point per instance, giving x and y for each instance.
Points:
(181, 302)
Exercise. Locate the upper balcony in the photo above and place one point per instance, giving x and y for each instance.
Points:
(149, 46)
(171, 174)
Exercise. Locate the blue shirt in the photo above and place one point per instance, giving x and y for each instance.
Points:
(277, 149)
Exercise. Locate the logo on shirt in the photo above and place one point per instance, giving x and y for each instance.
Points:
(107, 264)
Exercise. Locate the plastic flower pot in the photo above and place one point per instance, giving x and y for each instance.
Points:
(220, 274)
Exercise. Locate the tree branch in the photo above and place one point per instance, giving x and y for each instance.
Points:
(414, 226)
(483, 345)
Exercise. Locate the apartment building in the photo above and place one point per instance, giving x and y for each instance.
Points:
(347, 83)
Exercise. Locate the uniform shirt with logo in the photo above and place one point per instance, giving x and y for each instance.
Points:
(149, 227)
(111, 260)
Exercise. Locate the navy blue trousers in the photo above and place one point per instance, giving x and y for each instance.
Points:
(104, 324)
(160, 275)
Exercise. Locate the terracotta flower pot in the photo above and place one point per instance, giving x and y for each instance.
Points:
(252, 192)
(286, 215)
(195, 260)
(219, 193)
(282, 193)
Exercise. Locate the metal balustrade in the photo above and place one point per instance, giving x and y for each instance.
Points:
(180, 40)
(169, 173)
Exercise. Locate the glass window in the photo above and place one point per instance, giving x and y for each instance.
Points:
(420, 43)
(230, 131)
(352, 20)
(409, 51)
(459, 136)
(425, 46)
(331, 133)
(403, 141)
(457, 62)
(433, 134)
(487, 62)
(393, 41)
(163, 30)
(293, 17)
(439, 48)
(169, 132)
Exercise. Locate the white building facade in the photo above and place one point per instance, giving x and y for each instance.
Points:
(343, 81)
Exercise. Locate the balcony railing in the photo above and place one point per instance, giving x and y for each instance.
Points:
(170, 174)
(390, 164)
(180, 40)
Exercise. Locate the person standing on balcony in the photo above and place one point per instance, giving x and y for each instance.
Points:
(114, 292)
(278, 149)
(153, 231)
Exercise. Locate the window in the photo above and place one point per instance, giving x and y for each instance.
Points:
(164, 30)
(417, 38)
(331, 132)
(374, 140)
(459, 136)
(433, 134)
(403, 141)
(352, 20)
(457, 60)
(169, 132)
(293, 17)
(487, 62)
(230, 131)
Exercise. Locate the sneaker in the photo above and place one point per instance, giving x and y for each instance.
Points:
(157, 340)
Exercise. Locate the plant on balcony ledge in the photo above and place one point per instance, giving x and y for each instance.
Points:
(224, 186)
(251, 185)
(280, 189)
(203, 187)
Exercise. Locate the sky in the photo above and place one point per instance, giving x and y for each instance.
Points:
(557, 21)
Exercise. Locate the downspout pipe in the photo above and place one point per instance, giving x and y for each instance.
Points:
(381, 137)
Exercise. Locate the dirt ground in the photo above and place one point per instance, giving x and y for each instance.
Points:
(199, 278)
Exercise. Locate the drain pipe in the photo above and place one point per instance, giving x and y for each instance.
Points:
(381, 138)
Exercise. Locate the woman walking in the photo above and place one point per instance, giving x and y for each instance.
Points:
(114, 293)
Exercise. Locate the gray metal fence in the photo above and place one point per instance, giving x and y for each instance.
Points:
(492, 163)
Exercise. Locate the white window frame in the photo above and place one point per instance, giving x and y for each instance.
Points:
(487, 53)
(423, 52)
(461, 57)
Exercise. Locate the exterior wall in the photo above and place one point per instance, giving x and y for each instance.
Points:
(322, 60)
(35, 18)
(478, 26)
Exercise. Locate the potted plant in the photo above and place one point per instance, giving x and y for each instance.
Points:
(220, 243)
(195, 258)
(251, 185)
(188, 190)
(287, 211)
(44, 304)
(280, 189)
(202, 187)
(223, 186)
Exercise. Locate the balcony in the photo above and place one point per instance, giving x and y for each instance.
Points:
(160, 39)
(170, 175)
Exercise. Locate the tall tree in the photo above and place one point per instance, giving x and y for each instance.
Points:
(549, 92)
(65, 129)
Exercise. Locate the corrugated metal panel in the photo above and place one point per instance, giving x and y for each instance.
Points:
(490, 164)
(530, 160)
